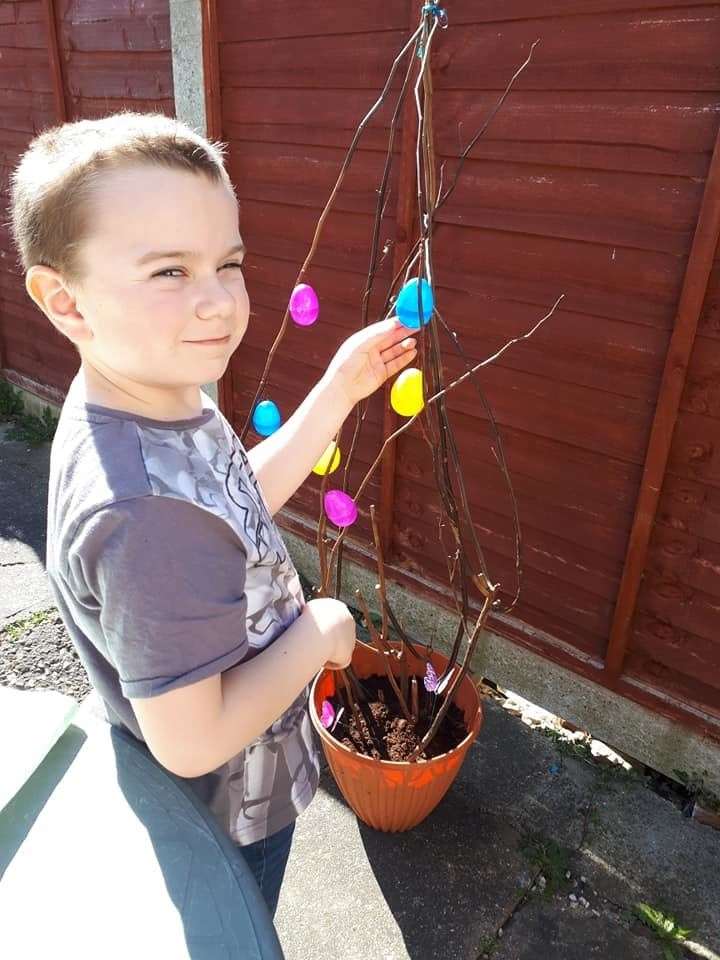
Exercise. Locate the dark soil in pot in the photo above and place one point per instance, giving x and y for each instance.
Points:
(386, 734)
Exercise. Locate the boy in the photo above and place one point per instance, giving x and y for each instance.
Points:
(168, 570)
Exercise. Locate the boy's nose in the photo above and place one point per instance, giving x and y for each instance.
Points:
(215, 301)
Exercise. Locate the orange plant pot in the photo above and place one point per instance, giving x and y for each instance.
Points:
(388, 795)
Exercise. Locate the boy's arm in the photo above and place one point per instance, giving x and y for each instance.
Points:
(168, 579)
(361, 365)
(194, 729)
(283, 460)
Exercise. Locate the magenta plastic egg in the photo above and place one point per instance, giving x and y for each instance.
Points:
(304, 305)
(340, 508)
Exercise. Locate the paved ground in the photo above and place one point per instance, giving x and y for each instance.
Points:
(468, 882)
(446, 889)
(23, 491)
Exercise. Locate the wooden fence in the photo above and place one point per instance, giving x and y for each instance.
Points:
(598, 179)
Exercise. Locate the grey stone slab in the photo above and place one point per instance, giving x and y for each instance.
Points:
(439, 890)
(25, 590)
(515, 772)
(642, 848)
(638, 845)
(429, 894)
(24, 587)
(558, 930)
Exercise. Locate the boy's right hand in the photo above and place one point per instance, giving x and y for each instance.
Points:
(335, 626)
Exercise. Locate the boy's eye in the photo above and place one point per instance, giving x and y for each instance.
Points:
(174, 270)
(166, 273)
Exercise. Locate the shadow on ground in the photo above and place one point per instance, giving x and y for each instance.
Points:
(23, 512)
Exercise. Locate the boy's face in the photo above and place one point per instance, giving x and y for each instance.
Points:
(147, 319)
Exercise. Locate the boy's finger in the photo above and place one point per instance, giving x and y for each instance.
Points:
(399, 362)
(384, 332)
(399, 349)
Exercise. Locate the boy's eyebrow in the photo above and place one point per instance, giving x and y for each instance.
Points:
(190, 254)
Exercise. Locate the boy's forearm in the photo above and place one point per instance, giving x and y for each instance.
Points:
(283, 461)
(257, 692)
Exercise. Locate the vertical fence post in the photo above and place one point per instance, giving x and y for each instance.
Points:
(56, 71)
(674, 375)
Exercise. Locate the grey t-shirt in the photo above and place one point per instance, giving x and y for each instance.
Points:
(167, 568)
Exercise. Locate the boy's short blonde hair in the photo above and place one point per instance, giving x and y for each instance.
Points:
(52, 184)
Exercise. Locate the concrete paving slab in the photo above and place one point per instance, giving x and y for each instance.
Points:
(430, 893)
(564, 932)
(23, 496)
(516, 772)
(642, 848)
(437, 892)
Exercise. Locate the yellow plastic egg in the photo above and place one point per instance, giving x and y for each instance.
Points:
(406, 396)
(329, 461)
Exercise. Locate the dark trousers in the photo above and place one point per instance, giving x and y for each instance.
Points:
(267, 859)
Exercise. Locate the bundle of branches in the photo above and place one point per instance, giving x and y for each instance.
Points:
(467, 568)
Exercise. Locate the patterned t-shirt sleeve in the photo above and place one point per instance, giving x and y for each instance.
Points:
(169, 579)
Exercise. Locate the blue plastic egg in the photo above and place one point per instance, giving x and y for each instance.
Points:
(406, 306)
(266, 418)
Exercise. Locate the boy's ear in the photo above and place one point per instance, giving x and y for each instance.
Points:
(57, 301)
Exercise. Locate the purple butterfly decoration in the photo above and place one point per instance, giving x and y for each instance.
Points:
(431, 679)
(327, 714)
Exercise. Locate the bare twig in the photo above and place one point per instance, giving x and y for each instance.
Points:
(323, 216)
(408, 423)
(457, 679)
(415, 705)
(385, 651)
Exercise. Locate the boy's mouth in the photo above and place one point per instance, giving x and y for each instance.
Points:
(217, 342)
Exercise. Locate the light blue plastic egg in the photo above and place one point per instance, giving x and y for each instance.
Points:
(266, 418)
(406, 306)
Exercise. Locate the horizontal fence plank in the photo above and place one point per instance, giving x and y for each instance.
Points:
(127, 34)
(603, 51)
(684, 605)
(628, 158)
(690, 506)
(684, 654)
(689, 559)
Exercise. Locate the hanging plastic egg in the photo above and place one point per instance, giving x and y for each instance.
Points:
(406, 305)
(406, 396)
(340, 508)
(304, 305)
(266, 418)
(329, 461)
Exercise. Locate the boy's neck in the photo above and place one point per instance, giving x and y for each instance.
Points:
(155, 403)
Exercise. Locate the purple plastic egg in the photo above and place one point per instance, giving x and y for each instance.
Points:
(340, 508)
(304, 305)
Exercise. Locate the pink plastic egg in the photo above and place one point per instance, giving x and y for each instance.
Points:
(340, 508)
(304, 305)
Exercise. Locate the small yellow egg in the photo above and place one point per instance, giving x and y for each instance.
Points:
(406, 396)
(329, 461)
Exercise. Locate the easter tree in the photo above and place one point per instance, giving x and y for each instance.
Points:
(410, 695)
